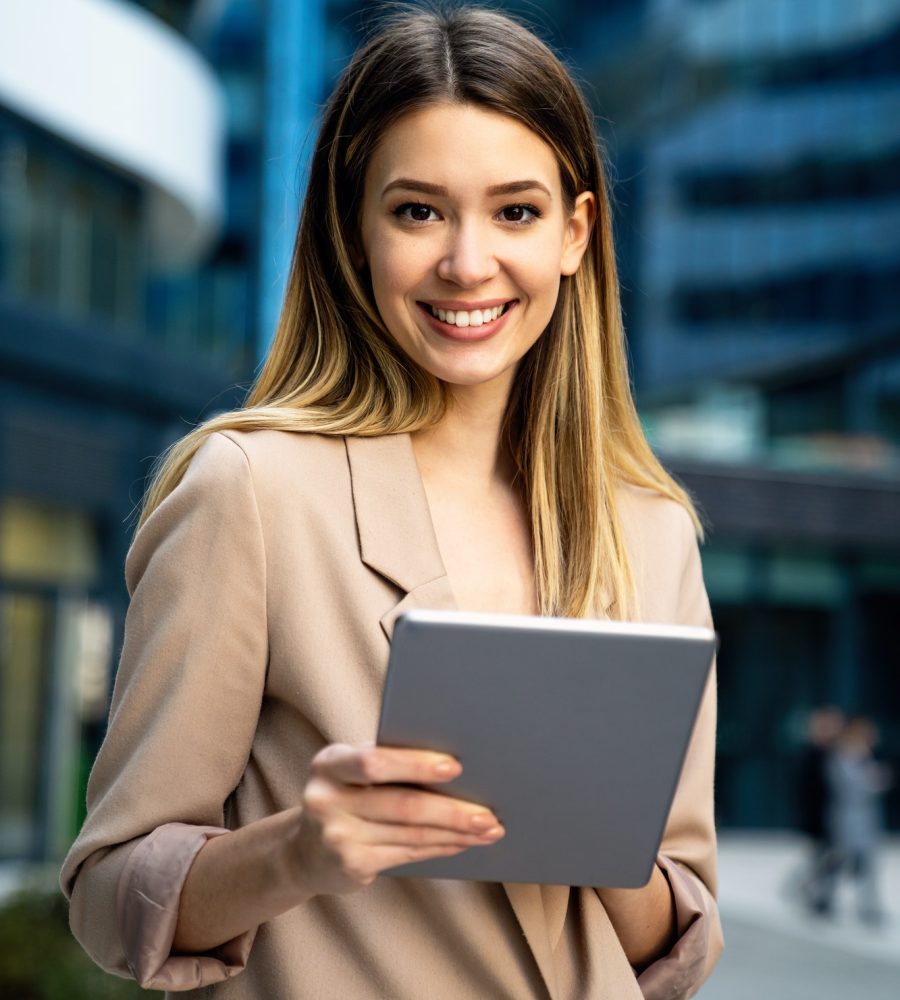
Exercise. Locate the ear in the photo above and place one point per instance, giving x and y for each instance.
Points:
(357, 255)
(578, 232)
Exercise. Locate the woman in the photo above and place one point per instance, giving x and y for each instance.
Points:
(444, 420)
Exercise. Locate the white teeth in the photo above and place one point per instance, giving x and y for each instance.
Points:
(459, 318)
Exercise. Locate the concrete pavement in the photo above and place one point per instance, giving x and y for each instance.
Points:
(775, 951)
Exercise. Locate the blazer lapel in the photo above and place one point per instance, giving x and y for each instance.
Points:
(528, 905)
(397, 540)
(396, 534)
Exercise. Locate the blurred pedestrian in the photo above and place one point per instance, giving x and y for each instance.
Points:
(823, 728)
(857, 782)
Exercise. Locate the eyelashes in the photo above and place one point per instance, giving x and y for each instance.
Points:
(418, 213)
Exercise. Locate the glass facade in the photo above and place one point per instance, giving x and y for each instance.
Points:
(104, 357)
(217, 306)
(70, 234)
(759, 213)
(74, 242)
(55, 662)
(800, 627)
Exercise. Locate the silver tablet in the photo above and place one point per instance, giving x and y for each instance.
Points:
(572, 731)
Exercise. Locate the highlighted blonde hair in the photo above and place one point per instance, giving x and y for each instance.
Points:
(334, 368)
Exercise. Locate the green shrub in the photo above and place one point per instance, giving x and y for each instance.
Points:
(40, 960)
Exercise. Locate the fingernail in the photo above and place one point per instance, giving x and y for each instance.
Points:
(446, 768)
(494, 832)
(481, 821)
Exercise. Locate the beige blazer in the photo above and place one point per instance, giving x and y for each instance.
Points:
(264, 590)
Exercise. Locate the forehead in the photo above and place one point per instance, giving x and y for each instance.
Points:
(461, 146)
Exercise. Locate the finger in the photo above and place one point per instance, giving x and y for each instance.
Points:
(401, 835)
(367, 862)
(417, 807)
(392, 856)
(374, 765)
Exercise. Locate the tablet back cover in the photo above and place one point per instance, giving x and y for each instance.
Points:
(574, 733)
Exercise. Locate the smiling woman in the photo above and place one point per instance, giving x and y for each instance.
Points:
(444, 421)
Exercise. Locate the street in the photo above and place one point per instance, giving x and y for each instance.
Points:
(775, 952)
(762, 964)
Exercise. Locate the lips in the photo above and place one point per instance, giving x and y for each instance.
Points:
(468, 332)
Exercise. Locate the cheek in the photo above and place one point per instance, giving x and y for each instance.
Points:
(395, 269)
(537, 265)
(385, 286)
(537, 275)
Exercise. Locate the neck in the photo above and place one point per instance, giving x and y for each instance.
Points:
(467, 443)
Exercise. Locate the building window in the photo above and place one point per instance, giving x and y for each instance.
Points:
(801, 182)
(56, 646)
(853, 295)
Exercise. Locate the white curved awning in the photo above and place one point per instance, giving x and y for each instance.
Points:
(114, 81)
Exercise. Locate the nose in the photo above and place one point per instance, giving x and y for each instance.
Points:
(468, 259)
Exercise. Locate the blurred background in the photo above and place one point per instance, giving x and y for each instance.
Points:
(152, 159)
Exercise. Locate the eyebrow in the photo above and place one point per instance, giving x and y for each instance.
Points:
(512, 187)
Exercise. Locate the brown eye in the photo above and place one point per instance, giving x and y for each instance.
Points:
(414, 212)
(522, 215)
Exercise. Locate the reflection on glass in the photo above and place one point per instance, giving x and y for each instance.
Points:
(46, 544)
(74, 240)
(24, 653)
(55, 663)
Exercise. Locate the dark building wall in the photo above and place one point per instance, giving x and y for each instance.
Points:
(82, 417)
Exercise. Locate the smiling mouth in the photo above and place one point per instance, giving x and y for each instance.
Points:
(462, 319)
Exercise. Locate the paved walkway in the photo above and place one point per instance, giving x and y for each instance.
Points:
(775, 951)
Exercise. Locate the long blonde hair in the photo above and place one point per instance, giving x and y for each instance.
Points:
(334, 368)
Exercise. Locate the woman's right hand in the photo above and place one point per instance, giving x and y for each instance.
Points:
(360, 816)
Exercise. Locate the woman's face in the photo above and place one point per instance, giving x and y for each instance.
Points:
(466, 237)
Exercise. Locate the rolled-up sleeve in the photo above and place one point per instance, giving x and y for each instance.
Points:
(192, 669)
(681, 972)
(147, 910)
(687, 854)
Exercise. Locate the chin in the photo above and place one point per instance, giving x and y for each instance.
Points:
(468, 377)
(459, 371)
